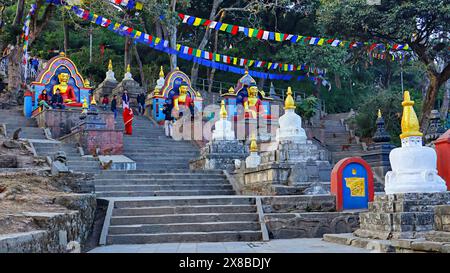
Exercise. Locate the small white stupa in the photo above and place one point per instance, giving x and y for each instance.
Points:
(128, 75)
(290, 124)
(223, 128)
(253, 160)
(160, 82)
(413, 165)
(110, 73)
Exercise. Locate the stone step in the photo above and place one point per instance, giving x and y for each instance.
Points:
(155, 175)
(185, 210)
(218, 236)
(162, 193)
(183, 218)
(175, 202)
(170, 187)
(168, 149)
(184, 227)
(181, 181)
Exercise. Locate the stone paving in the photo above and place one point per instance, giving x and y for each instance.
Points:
(314, 245)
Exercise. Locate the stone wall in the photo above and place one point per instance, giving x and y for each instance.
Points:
(105, 140)
(56, 229)
(306, 216)
(442, 218)
(61, 122)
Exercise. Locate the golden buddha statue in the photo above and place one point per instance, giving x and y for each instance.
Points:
(183, 97)
(252, 102)
(66, 91)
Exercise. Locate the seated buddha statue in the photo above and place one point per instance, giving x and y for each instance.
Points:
(66, 90)
(183, 98)
(252, 103)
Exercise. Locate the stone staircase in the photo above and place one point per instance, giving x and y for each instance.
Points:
(164, 201)
(338, 140)
(184, 220)
(14, 119)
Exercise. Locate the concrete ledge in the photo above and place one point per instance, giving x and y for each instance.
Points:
(105, 229)
(119, 162)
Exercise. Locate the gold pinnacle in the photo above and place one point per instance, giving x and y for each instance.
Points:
(379, 113)
(161, 72)
(128, 68)
(410, 123)
(223, 110)
(289, 102)
(110, 68)
(253, 145)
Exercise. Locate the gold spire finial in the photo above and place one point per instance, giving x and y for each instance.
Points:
(246, 70)
(85, 105)
(223, 110)
(87, 84)
(253, 145)
(62, 54)
(410, 123)
(231, 90)
(128, 68)
(379, 113)
(110, 68)
(289, 102)
(161, 72)
(93, 102)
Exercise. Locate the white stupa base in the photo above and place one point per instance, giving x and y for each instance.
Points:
(110, 76)
(291, 128)
(407, 182)
(128, 76)
(413, 170)
(223, 130)
(253, 160)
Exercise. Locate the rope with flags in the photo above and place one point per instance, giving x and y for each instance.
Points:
(281, 37)
(187, 53)
(25, 36)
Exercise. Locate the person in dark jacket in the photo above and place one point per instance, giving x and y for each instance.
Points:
(57, 100)
(125, 99)
(114, 106)
(141, 103)
(168, 119)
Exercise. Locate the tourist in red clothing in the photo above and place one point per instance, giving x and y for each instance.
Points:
(105, 102)
(128, 120)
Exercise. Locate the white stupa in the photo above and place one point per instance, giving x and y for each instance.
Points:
(290, 124)
(253, 160)
(160, 82)
(223, 128)
(128, 75)
(413, 165)
(110, 73)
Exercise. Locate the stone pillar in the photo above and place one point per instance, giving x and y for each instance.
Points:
(378, 154)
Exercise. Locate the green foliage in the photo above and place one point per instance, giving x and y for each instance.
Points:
(307, 108)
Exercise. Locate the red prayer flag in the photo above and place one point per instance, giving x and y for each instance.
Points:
(190, 51)
(117, 2)
(285, 36)
(181, 15)
(260, 34)
(206, 23)
(234, 30)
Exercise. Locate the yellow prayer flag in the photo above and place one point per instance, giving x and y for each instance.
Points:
(250, 32)
(197, 21)
(321, 41)
(235, 60)
(157, 40)
(223, 27)
(138, 34)
(139, 6)
(198, 53)
(94, 18)
(116, 26)
(269, 65)
(217, 57)
(250, 62)
(178, 47)
(278, 36)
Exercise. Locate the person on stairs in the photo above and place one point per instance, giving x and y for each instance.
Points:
(141, 103)
(125, 99)
(43, 100)
(57, 100)
(114, 106)
(168, 119)
(128, 120)
(105, 102)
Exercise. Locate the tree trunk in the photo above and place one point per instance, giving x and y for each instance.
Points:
(213, 70)
(204, 41)
(141, 71)
(126, 55)
(66, 36)
(19, 13)
(173, 39)
(387, 75)
(445, 101)
(15, 69)
(429, 101)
